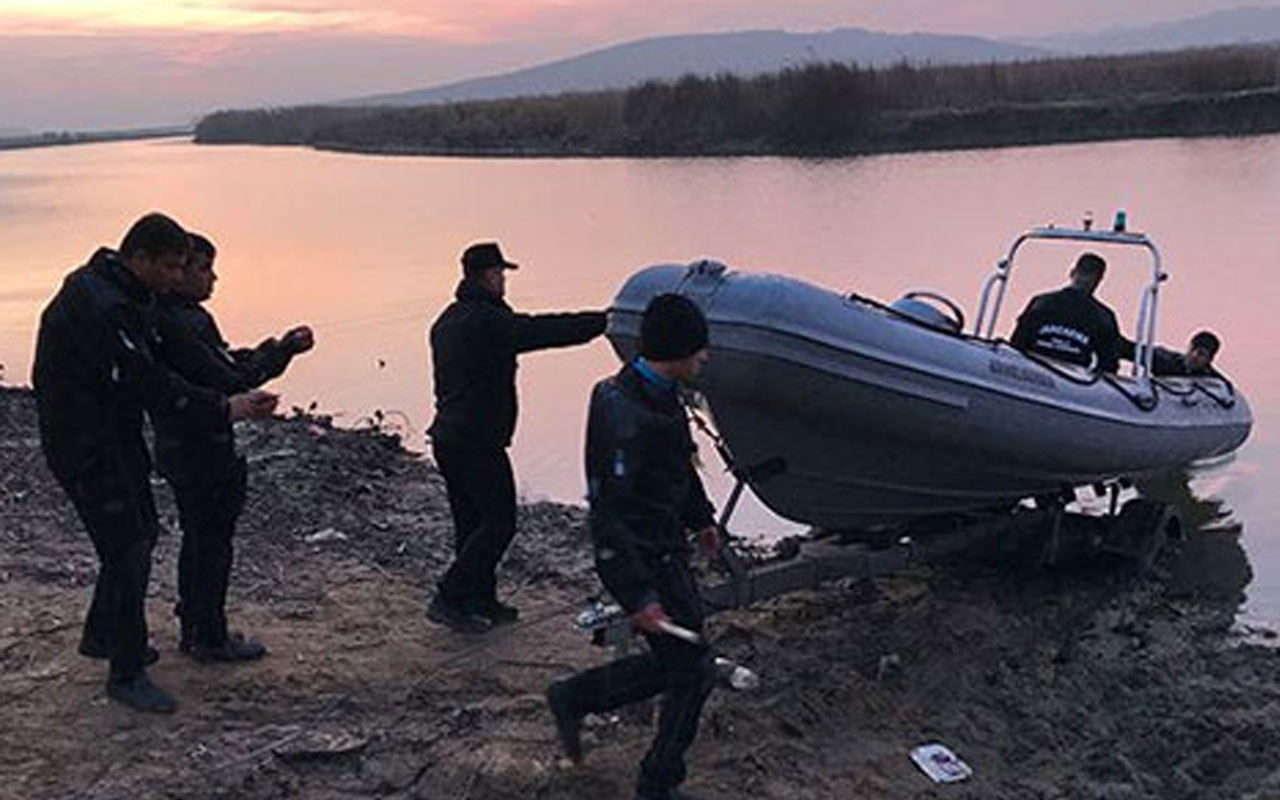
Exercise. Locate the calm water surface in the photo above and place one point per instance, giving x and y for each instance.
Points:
(365, 249)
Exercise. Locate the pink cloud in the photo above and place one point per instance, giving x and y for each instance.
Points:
(477, 21)
(487, 20)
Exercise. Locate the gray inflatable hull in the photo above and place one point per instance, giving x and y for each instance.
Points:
(881, 419)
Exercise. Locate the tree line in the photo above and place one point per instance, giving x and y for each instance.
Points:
(816, 109)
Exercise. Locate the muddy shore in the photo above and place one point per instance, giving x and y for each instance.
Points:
(1078, 682)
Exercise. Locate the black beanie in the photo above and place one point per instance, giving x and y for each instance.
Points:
(672, 328)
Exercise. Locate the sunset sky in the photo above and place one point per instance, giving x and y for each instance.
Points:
(84, 63)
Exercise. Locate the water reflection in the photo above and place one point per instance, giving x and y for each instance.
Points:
(366, 249)
(1211, 564)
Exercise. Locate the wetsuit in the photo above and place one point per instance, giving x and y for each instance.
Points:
(645, 498)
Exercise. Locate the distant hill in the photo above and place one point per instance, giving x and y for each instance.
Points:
(1251, 25)
(741, 53)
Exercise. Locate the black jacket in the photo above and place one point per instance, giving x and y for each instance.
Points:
(191, 343)
(194, 346)
(96, 369)
(1172, 363)
(644, 490)
(1072, 326)
(474, 344)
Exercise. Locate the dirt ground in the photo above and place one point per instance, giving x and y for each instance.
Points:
(1078, 682)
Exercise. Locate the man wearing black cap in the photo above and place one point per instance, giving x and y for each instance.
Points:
(646, 498)
(474, 344)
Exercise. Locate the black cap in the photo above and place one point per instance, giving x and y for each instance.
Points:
(672, 328)
(484, 255)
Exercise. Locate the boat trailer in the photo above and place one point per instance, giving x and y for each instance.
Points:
(1106, 520)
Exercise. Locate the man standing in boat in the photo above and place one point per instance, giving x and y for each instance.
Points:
(646, 498)
(474, 344)
(1071, 324)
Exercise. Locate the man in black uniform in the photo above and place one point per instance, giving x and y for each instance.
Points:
(646, 498)
(201, 463)
(1071, 324)
(474, 344)
(95, 371)
(1197, 361)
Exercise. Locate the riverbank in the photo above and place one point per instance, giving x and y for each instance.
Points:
(1069, 684)
(64, 138)
(1236, 114)
(816, 110)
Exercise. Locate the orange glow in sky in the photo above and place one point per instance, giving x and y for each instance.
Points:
(61, 16)
(447, 19)
(484, 21)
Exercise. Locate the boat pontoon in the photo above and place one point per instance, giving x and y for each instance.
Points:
(884, 413)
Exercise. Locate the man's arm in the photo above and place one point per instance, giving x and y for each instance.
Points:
(257, 365)
(699, 513)
(1126, 348)
(541, 331)
(1024, 333)
(115, 338)
(620, 567)
(272, 356)
(1113, 345)
(195, 358)
(615, 458)
(1167, 362)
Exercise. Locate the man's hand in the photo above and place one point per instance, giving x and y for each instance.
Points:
(298, 340)
(708, 541)
(256, 404)
(650, 618)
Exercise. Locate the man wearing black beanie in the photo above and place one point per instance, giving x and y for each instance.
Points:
(672, 329)
(474, 344)
(646, 499)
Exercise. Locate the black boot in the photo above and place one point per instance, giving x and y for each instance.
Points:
(138, 692)
(568, 723)
(456, 617)
(234, 648)
(497, 612)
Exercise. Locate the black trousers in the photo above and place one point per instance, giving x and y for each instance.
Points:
(207, 511)
(682, 673)
(482, 499)
(113, 499)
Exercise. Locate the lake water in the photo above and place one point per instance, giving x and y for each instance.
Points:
(365, 249)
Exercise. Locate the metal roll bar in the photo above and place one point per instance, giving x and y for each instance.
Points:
(984, 325)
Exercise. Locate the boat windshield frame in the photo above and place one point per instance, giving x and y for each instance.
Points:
(998, 281)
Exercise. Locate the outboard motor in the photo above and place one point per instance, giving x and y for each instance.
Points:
(923, 307)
